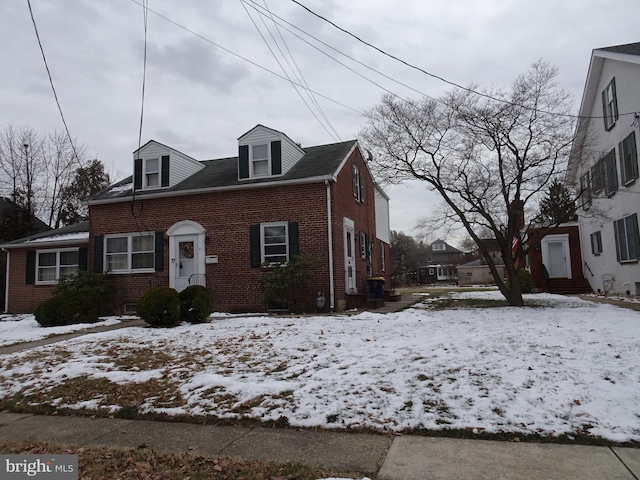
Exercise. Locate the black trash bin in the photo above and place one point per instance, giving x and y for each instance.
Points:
(376, 290)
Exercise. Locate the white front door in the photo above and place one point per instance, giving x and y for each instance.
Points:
(186, 261)
(349, 256)
(555, 256)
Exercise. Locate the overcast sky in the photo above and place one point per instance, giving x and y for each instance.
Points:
(210, 76)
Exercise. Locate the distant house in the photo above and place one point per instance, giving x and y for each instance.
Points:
(604, 167)
(178, 221)
(442, 262)
(477, 272)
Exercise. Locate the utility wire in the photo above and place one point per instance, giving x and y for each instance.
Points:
(46, 65)
(300, 77)
(243, 58)
(410, 65)
(293, 84)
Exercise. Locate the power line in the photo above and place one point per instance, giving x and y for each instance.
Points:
(442, 79)
(293, 84)
(242, 58)
(55, 94)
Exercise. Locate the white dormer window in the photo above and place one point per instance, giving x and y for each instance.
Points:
(152, 172)
(439, 247)
(260, 160)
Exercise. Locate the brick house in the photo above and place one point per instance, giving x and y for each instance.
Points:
(178, 221)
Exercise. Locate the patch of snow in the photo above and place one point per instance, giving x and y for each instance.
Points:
(65, 237)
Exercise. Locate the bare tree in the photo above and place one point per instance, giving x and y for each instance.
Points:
(35, 170)
(490, 156)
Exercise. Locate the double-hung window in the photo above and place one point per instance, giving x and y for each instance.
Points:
(627, 238)
(130, 252)
(585, 191)
(51, 265)
(152, 172)
(357, 184)
(275, 244)
(628, 159)
(596, 243)
(260, 160)
(610, 105)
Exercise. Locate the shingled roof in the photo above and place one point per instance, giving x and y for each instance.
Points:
(317, 163)
(628, 49)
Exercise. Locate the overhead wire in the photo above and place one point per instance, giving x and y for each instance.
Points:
(442, 79)
(53, 88)
(284, 71)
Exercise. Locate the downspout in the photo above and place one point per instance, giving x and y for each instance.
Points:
(6, 286)
(330, 236)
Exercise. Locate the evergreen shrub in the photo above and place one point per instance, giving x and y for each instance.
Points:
(195, 304)
(159, 307)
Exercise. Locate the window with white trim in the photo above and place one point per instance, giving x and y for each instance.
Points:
(151, 172)
(357, 184)
(51, 265)
(130, 252)
(275, 242)
(596, 243)
(628, 152)
(627, 238)
(610, 105)
(260, 160)
(438, 247)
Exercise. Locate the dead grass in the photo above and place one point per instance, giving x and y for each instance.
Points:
(146, 464)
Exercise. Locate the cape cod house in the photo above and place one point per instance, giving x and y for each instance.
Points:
(604, 166)
(178, 221)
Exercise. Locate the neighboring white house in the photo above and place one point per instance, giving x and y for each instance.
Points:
(604, 166)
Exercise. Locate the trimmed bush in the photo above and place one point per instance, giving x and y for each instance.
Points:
(159, 307)
(79, 298)
(195, 304)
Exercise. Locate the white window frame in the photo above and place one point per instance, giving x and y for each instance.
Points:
(264, 258)
(628, 159)
(252, 160)
(57, 265)
(129, 253)
(439, 247)
(625, 256)
(610, 105)
(146, 172)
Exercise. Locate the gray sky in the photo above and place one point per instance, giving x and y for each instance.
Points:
(200, 98)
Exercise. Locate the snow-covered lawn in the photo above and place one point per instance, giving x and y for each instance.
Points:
(24, 328)
(562, 365)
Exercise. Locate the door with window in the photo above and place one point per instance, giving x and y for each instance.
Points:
(185, 257)
(349, 256)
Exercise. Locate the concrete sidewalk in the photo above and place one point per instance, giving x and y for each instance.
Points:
(380, 456)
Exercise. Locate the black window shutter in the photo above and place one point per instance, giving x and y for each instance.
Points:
(98, 250)
(137, 174)
(159, 251)
(615, 99)
(361, 178)
(243, 161)
(276, 157)
(254, 242)
(294, 245)
(354, 181)
(165, 171)
(31, 267)
(82, 259)
(604, 110)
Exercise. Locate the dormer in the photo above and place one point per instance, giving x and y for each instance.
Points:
(156, 166)
(264, 152)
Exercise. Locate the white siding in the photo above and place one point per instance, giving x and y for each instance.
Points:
(604, 210)
(383, 225)
(181, 166)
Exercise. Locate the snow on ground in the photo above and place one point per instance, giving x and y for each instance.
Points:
(561, 365)
(24, 328)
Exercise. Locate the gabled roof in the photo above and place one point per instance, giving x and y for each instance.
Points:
(629, 53)
(76, 233)
(448, 248)
(318, 163)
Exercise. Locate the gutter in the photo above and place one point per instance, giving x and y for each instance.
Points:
(330, 236)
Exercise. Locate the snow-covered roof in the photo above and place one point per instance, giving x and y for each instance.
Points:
(77, 233)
